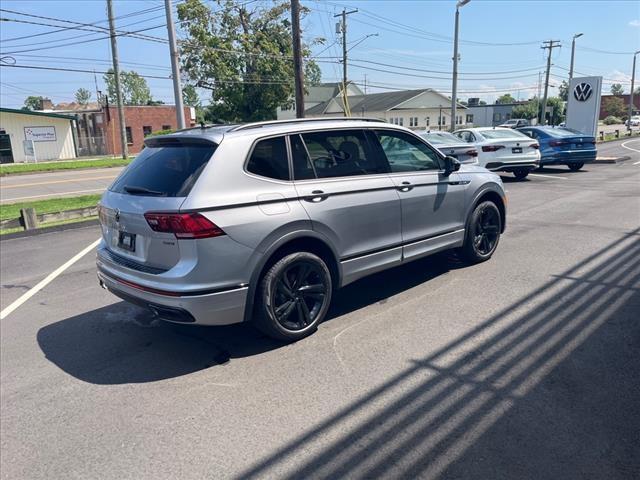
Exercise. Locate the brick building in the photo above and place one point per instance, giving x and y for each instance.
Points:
(140, 122)
(625, 99)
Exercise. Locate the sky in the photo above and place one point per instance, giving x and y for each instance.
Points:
(411, 45)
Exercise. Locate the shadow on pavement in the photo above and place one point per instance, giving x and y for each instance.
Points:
(122, 343)
(549, 392)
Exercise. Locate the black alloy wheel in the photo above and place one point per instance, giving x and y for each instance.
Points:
(486, 230)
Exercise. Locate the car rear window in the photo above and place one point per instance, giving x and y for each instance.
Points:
(442, 138)
(495, 134)
(269, 159)
(165, 171)
(562, 132)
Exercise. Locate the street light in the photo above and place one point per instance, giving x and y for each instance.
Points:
(573, 52)
(633, 79)
(454, 86)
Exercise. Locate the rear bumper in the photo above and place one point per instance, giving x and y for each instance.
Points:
(512, 166)
(567, 157)
(220, 307)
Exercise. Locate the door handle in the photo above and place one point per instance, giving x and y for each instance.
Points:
(406, 186)
(316, 196)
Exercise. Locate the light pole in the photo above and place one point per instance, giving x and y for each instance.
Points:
(454, 85)
(633, 79)
(573, 53)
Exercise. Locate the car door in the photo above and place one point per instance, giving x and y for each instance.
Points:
(432, 203)
(349, 197)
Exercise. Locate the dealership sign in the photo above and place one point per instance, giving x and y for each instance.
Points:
(583, 104)
(40, 134)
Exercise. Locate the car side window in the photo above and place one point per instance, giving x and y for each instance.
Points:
(333, 153)
(471, 137)
(269, 159)
(405, 153)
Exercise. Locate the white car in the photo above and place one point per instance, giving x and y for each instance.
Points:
(450, 145)
(634, 121)
(503, 149)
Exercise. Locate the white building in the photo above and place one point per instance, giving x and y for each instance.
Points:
(52, 135)
(417, 109)
(317, 95)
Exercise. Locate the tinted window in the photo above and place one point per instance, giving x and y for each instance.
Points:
(405, 153)
(302, 167)
(337, 153)
(441, 138)
(495, 134)
(269, 159)
(562, 132)
(167, 171)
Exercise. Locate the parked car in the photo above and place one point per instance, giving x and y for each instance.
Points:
(634, 121)
(563, 146)
(449, 144)
(261, 222)
(515, 123)
(503, 149)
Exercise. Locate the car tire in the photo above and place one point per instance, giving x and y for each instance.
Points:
(293, 297)
(521, 174)
(574, 167)
(482, 233)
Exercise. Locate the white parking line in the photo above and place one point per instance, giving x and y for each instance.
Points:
(546, 176)
(624, 145)
(46, 281)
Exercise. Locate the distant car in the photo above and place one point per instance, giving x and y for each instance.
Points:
(450, 145)
(634, 121)
(563, 146)
(515, 123)
(503, 149)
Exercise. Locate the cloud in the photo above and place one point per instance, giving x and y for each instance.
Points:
(634, 23)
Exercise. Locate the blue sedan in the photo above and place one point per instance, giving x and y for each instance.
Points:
(563, 146)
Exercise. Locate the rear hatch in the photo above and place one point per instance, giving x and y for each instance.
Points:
(157, 181)
(563, 140)
(509, 146)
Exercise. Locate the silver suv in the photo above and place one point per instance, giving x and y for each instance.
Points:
(262, 222)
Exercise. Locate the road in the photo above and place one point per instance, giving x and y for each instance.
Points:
(525, 366)
(41, 186)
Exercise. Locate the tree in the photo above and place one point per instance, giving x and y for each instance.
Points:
(557, 114)
(615, 106)
(243, 53)
(527, 110)
(563, 91)
(83, 96)
(506, 98)
(190, 96)
(617, 89)
(135, 90)
(33, 102)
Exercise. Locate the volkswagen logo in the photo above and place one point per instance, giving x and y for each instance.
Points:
(582, 92)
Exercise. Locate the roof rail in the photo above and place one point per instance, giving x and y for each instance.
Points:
(249, 126)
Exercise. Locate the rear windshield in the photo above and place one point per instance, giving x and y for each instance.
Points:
(494, 134)
(167, 171)
(442, 138)
(562, 132)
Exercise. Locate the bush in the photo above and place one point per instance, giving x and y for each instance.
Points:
(159, 132)
(611, 120)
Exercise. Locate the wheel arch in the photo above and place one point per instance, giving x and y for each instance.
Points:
(495, 197)
(307, 241)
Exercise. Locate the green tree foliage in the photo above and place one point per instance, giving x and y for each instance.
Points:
(32, 102)
(557, 115)
(615, 106)
(617, 89)
(527, 110)
(190, 96)
(135, 90)
(563, 91)
(506, 98)
(83, 96)
(242, 52)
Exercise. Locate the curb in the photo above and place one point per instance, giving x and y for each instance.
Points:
(611, 160)
(42, 231)
(58, 170)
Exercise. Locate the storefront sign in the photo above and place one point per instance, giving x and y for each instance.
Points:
(40, 134)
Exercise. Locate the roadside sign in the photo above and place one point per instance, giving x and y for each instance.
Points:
(29, 149)
(583, 105)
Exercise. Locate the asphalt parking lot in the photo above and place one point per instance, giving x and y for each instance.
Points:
(525, 366)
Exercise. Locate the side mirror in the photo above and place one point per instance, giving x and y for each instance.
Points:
(451, 165)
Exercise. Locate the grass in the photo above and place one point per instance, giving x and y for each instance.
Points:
(12, 210)
(49, 224)
(16, 169)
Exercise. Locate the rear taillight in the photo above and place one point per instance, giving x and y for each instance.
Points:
(183, 225)
(492, 148)
(472, 153)
(534, 145)
(557, 143)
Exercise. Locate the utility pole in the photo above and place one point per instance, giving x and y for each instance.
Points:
(548, 45)
(343, 29)
(573, 54)
(116, 74)
(297, 58)
(454, 84)
(175, 65)
(633, 80)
